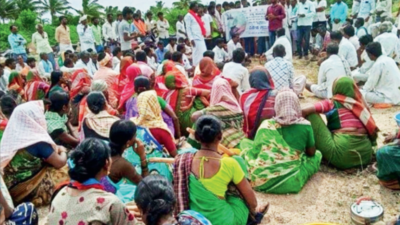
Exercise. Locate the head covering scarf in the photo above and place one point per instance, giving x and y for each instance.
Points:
(347, 95)
(16, 83)
(208, 73)
(132, 72)
(35, 88)
(80, 79)
(106, 59)
(101, 122)
(221, 94)
(288, 109)
(149, 111)
(125, 63)
(27, 119)
(82, 18)
(99, 85)
(253, 100)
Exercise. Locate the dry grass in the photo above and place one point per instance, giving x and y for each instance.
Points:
(328, 195)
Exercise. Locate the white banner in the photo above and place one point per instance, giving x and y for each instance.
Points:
(248, 22)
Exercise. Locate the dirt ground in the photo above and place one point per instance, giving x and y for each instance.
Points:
(328, 195)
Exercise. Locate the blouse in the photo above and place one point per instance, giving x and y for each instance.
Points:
(88, 207)
(337, 117)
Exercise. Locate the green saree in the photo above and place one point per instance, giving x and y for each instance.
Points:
(274, 166)
(232, 210)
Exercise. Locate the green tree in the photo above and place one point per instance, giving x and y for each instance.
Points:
(23, 5)
(91, 8)
(182, 4)
(54, 7)
(112, 10)
(27, 20)
(159, 7)
(8, 9)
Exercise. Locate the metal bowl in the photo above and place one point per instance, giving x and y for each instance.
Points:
(366, 212)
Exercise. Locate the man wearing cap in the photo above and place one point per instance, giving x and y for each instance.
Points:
(85, 33)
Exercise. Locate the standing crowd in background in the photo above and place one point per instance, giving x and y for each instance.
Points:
(84, 127)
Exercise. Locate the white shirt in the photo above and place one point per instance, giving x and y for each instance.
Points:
(124, 28)
(150, 24)
(115, 61)
(288, 48)
(354, 40)
(81, 65)
(19, 68)
(85, 35)
(308, 10)
(330, 69)
(220, 55)
(41, 43)
(170, 48)
(320, 16)
(384, 78)
(193, 29)
(151, 61)
(348, 52)
(232, 47)
(361, 32)
(42, 71)
(390, 44)
(65, 69)
(237, 73)
(186, 62)
(368, 63)
(181, 68)
(108, 31)
(162, 28)
(207, 19)
(384, 6)
(180, 27)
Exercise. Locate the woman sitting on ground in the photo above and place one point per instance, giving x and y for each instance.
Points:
(80, 87)
(388, 161)
(35, 88)
(96, 86)
(224, 106)
(347, 140)
(7, 106)
(149, 117)
(142, 84)
(84, 200)
(122, 137)
(202, 179)
(156, 200)
(57, 80)
(181, 98)
(58, 124)
(97, 123)
(17, 84)
(124, 65)
(258, 102)
(29, 157)
(128, 90)
(282, 157)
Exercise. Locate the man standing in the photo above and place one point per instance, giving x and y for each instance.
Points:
(162, 28)
(319, 18)
(383, 9)
(63, 37)
(150, 24)
(338, 14)
(125, 35)
(305, 14)
(196, 33)
(98, 40)
(85, 34)
(248, 41)
(17, 43)
(207, 20)
(293, 24)
(109, 33)
(180, 28)
(275, 16)
(367, 8)
(116, 24)
(41, 41)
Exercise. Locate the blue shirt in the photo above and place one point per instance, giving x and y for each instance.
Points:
(367, 7)
(160, 54)
(17, 43)
(339, 11)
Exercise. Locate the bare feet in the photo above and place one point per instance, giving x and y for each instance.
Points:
(263, 208)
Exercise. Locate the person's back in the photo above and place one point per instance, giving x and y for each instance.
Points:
(237, 72)
(384, 78)
(348, 52)
(330, 70)
(390, 43)
(281, 70)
